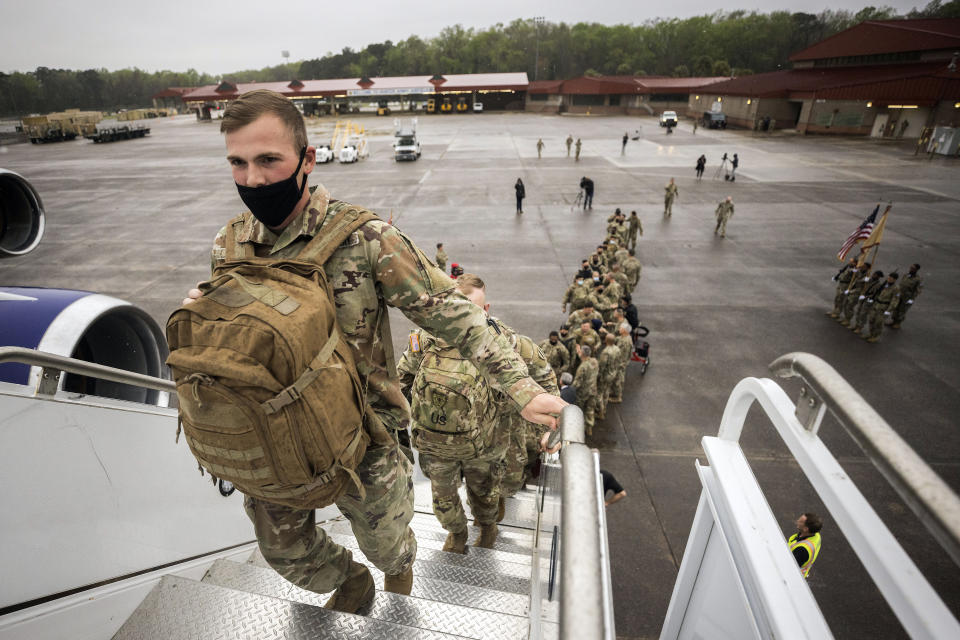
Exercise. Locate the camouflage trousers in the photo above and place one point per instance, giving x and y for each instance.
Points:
(604, 386)
(616, 389)
(900, 312)
(850, 302)
(668, 206)
(876, 320)
(303, 553)
(839, 298)
(589, 406)
(522, 451)
(722, 224)
(482, 474)
(632, 242)
(863, 314)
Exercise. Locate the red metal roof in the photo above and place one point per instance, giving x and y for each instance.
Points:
(545, 86)
(886, 36)
(478, 81)
(849, 82)
(654, 84)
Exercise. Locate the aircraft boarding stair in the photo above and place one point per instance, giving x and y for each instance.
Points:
(484, 594)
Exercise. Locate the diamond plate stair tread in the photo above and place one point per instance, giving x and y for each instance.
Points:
(182, 609)
(440, 571)
(470, 560)
(507, 533)
(460, 620)
(434, 539)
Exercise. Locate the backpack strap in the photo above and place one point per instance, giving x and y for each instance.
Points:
(234, 249)
(333, 233)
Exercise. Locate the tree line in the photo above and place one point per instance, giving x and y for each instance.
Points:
(722, 43)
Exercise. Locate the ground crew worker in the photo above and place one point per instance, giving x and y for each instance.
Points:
(724, 213)
(632, 268)
(441, 258)
(671, 192)
(556, 354)
(805, 543)
(585, 382)
(539, 148)
(283, 218)
(854, 294)
(886, 299)
(569, 142)
(635, 227)
(577, 156)
(843, 279)
(911, 286)
(609, 364)
(866, 300)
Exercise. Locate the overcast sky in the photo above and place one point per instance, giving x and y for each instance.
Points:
(219, 36)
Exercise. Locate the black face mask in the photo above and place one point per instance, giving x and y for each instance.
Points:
(272, 203)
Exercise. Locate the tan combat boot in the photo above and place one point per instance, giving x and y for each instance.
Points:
(401, 583)
(501, 509)
(355, 592)
(487, 537)
(456, 542)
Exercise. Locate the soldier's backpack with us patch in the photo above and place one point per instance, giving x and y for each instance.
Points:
(269, 394)
(451, 409)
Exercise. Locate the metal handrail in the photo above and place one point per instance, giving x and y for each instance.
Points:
(586, 609)
(53, 365)
(927, 495)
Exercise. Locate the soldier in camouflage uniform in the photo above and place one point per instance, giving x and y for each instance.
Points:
(854, 295)
(556, 354)
(585, 382)
(577, 295)
(616, 272)
(842, 279)
(634, 227)
(441, 258)
(609, 364)
(610, 298)
(886, 299)
(625, 344)
(866, 301)
(267, 145)
(671, 192)
(911, 285)
(724, 212)
(632, 268)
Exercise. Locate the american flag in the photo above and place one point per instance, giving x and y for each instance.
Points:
(862, 233)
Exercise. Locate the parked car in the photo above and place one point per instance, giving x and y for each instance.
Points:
(713, 120)
(477, 107)
(668, 118)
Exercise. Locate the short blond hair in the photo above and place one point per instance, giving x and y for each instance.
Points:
(468, 282)
(253, 104)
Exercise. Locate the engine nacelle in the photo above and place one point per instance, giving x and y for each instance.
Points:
(86, 326)
(21, 215)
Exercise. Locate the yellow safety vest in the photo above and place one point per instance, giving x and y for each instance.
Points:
(812, 545)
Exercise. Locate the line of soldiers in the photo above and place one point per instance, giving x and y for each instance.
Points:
(594, 345)
(463, 427)
(867, 300)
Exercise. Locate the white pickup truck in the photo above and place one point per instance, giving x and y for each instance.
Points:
(406, 147)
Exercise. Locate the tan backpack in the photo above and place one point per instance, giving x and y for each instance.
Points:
(270, 398)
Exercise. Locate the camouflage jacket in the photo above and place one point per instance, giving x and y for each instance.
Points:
(623, 280)
(588, 338)
(609, 362)
(586, 378)
(580, 316)
(626, 349)
(671, 191)
(441, 259)
(621, 256)
(888, 296)
(910, 287)
(540, 370)
(557, 355)
(632, 268)
(724, 210)
(576, 295)
(635, 225)
(612, 292)
(379, 266)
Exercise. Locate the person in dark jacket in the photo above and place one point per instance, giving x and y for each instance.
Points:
(701, 164)
(630, 311)
(521, 194)
(568, 392)
(587, 185)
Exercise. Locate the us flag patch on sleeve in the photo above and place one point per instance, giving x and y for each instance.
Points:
(414, 342)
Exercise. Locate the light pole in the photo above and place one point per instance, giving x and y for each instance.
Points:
(537, 21)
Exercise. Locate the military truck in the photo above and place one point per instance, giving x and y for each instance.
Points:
(42, 129)
(126, 125)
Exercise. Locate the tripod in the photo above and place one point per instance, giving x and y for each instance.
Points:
(721, 169)
(578, 201)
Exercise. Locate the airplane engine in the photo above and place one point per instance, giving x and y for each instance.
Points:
(86, 326)
(21, 215)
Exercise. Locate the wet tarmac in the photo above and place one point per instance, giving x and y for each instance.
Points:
(135, 219)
